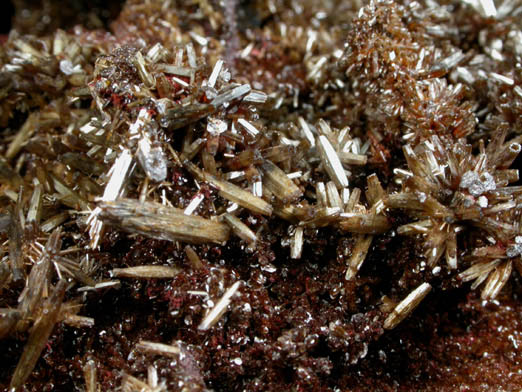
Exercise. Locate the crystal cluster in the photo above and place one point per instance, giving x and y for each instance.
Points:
(261, 195)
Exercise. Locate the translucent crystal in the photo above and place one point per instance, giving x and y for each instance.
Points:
(514, 250)
(477, 185)
(216, 126)
(152, 160)
(68, 68)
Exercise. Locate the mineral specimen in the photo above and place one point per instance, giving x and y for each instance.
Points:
(260, 196)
